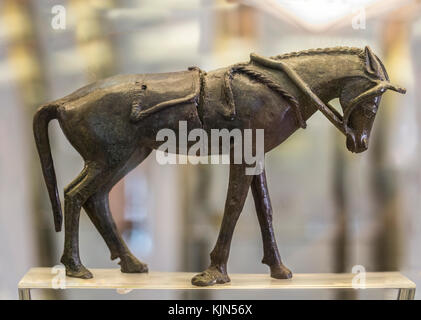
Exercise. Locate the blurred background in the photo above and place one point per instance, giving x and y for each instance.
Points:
(333, 210)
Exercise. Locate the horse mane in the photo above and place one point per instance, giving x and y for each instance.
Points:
(333, 50)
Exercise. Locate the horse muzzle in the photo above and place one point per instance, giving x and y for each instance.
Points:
(356, 144)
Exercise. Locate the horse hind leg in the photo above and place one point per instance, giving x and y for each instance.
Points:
(75, 195)
(77, 180)
(98, 210)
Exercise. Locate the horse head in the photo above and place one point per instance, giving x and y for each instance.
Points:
(360, 98)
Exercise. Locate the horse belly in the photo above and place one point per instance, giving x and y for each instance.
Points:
(177, 120)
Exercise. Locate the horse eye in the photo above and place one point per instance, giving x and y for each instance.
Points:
(369, 112)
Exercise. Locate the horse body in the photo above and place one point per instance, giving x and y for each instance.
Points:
(114, 122)
(96, 118)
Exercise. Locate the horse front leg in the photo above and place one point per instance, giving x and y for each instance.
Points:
(238, 187)
(263, 205)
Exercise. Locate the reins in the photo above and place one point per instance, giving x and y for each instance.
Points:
(330, 113)
(339, 121)
(262, 78)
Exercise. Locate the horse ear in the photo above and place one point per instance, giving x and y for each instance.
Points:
(371, 63)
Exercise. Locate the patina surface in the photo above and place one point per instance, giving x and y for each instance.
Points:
(113, 124)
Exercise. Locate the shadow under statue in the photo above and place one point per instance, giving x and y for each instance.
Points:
(113, 124)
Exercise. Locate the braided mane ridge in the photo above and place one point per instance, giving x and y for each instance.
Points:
(333, 50)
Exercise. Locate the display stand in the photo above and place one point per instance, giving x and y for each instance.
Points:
(52, 278)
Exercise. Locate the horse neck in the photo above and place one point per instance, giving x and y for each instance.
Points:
(325, 74)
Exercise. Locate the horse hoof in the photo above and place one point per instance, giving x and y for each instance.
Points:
(81, 272)
(75, 269)
(130, 264)
(280, 272)
(209, 277)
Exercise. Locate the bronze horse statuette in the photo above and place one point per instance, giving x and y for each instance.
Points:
(113, 124)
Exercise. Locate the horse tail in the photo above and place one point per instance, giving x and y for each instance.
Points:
(42, 117)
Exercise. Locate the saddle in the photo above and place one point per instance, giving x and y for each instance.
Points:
(163, 90)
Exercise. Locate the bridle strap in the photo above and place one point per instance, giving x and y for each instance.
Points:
(330, 113)
(379, 88)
